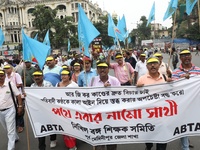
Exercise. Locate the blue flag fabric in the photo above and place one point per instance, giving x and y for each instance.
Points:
(129, 40)
(2, 38)
(86, 31)
(121, 25)
(171, 9)
(151, 15)
(47, 41)
(34, 49)
(190, 5)
(36, 37)
(113, 31)
(68, 45)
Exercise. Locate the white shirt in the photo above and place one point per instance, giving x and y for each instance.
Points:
(163, 68)
(141, 68)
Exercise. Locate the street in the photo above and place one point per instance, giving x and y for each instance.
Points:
(29, 142)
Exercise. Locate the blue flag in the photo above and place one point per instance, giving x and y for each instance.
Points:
(189, 5)
(86, 31)
(113, 31)
(171, 9)
(47, 41)
(121, 25)
(151, 15)
(129, 40)
(36, 37)
(34, 49)
(2, 38)
(68, 45)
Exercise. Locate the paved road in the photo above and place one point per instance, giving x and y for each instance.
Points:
(23, 142)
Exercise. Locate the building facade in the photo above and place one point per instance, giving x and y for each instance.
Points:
(15, 14)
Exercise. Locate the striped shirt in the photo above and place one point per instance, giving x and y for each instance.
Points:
(179, 72)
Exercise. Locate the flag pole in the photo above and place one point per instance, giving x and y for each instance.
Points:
(173, 28)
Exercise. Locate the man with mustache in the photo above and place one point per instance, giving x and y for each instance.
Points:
(185, 69)
(153, 77)
(104, 80)
(39, 82)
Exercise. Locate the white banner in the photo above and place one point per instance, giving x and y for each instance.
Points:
(97, 115)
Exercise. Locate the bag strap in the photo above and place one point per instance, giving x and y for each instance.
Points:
(164, 77)
(12, 94)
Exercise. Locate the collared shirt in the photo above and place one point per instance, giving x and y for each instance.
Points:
(96, 81)
(85, 78)
(163, 68)
(122, 73)
(147, 79)
(14, 78)
(141, 68)
(44, 84)
(6, 100)
(177, 73)
(52, 75)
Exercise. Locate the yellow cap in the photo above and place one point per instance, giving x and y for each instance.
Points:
(76, 64)
(7, 67)
(152, 59)
(37, 73)
(49, 58)
(64, 67)
(102, 65)
(157, 54)
(64, 72)
(118, 56)
(2, 72)
(185, 52)
(143, 55)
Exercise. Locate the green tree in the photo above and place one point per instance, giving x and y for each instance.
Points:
(60, 29)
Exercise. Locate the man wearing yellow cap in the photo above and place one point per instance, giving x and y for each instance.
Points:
(8, 110)
(164, 68)
(124, 72)
(51, 71)
(104, 80)
(40, 82)
(185, 69)
(153, 77)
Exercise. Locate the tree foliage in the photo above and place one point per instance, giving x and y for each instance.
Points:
(60, 29)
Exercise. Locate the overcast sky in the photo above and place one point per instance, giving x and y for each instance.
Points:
(134, 9)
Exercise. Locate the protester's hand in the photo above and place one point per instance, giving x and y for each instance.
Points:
(24, 94)
(110, 52)
(106, 84)
(169, 73)
(131, 81)
(187, 76)
(140, 85)
(169, 80)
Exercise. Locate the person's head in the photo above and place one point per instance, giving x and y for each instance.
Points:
(173, 49)
(8, 69)
(65, 67)
(185, 57)
(142, 57)
(28, 64)
(119, 58)
(77, 67)
(2, 76)
(87, 61)
(159, 55)
(153, 65)
(65, 76)
(76, 56)
(50, 61)
(38, 77)
(102, 68)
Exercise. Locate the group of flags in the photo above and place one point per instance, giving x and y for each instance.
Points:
(171, 9)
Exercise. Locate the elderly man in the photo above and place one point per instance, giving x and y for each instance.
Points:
(39, 82)
(184, 71)
(8, 110)
(86, 75)
(153, 77)
(104, 80)
(164, 68)
(124, 72)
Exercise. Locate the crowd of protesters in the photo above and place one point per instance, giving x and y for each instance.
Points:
(130, 67)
